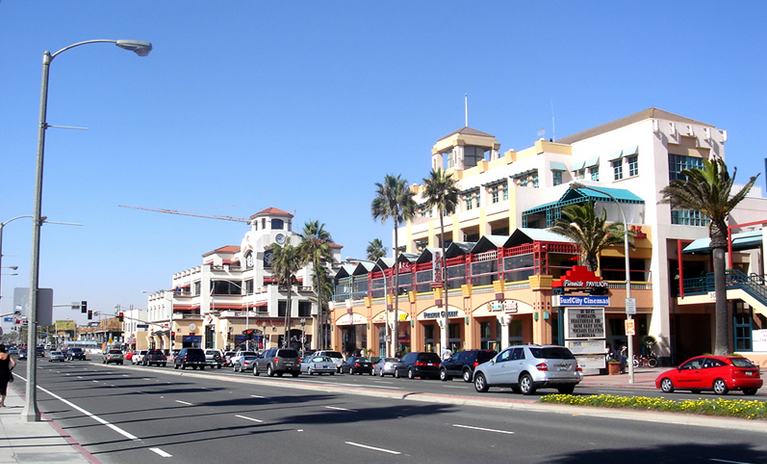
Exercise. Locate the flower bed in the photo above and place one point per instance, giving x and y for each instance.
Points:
(745, 409)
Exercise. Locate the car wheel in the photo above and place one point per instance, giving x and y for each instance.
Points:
(566, 389)
(294, 374)
(750, 391)
(381, 373)
(480, 383)
(332, 373)
(175, 366)
(234, 368)
(443, 375)
(183, 367)
(410, 374)
(164, 364)
(396, 373)
(720, 388)
(667, 386)
(467, 375)
(218, 366)
(202, 368)
(309, 371)
(279, 374)
(269, 371)
(526, 384)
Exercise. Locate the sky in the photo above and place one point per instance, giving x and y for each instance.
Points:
(303, 106)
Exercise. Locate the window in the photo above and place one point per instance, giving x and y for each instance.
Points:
(580, 173)
(595, 173)
(679, 163)
(477, 198)
(505, 192)
(557, 175)
(688, 217)
(277, 224)
(304, 308)
(633, 162)
(225, 287)
(196, 286)
(249, 287)
(494, 197)
(617, 169)
(281, 305)
(467, 200)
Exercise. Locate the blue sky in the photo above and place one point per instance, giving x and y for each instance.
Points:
(304, 105)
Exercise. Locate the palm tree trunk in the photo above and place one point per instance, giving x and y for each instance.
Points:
(395, 324)
(443, 265)
(721, 340)
(287, 314)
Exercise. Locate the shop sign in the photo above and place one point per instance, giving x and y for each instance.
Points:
(437, 313)
(759, 340)
(579, 277)
(351, 319)
(580, 301)
(507, 306)
(585, 323)
(585, 346)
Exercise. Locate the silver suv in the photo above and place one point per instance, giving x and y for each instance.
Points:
(526, 368)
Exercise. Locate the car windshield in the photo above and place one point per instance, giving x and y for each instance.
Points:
(115, 352)
(333, 354)
(741, 362)
(391, 360)
(55, 352)
(248, 353)
(319, 359)
(249, 357)
(484, 356)
(428, 357)
(362, 360)
(287, 354)
(551, 352)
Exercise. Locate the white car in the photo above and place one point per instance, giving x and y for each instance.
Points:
(238, 356)
(337, 357)
(138, 357)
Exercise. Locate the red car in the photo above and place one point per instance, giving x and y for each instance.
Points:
(129, 355)
(718, 373)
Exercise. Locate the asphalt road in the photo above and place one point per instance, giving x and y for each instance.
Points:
(146, 416)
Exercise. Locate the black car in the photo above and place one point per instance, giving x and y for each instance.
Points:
(357, 365)
(76, 353)
(40, 351)
(462, 364)
(190, 357)
(418, 364)
(156, 357)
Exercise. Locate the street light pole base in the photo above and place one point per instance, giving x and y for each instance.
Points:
(30, 414)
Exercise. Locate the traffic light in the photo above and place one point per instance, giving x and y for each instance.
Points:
(84, 307)
(120, 316)
(90, 314)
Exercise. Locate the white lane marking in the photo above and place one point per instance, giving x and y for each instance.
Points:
(300, 430)
(728, 461)
(254, 396)
(89, 414)
(482, 429)
(95, 381)
(360, 445)
(248, 418)
(67, 374)
(147, 378)
(183, 402)
(160, 452)
(79, 376)
(124, 375)
(338, 409)
(460, 388)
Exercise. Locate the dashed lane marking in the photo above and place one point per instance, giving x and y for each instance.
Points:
(360, 445)
(483, 429)
(160, 452)
(335, 408)
(252, 419)
(183, 402)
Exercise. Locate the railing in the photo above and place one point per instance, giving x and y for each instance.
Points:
(753, 284)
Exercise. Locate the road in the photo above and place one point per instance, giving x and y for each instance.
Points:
(147, 416)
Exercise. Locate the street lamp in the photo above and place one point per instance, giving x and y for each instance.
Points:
(30, 411)
(387, 334)
(578, 185)
(2, 226)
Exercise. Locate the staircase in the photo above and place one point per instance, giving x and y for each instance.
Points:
(749, 288)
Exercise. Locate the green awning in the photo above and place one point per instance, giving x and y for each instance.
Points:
(557, 166)
(594, 161)
(578, 165)
(615, 156)
(740, 241)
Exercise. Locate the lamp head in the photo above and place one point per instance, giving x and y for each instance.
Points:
(139, 47)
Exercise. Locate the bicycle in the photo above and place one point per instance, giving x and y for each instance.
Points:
(645, 360)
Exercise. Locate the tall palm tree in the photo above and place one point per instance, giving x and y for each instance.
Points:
(589, 231)
(709, 190)
(315, 249)
(394, 201)
(286, 262)
(441, 192)
(376, 250)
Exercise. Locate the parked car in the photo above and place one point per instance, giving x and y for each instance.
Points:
(76, 353)
(138, 357)
(337, 357)
(228, 358)
(244, 363)
(156, 357)
(385, 366)
(173, 354)
(318, 365)
(213, 358)
(278, 361)
(56, 356)
(40, 351)
(240, 353)
(463, 363)
(357, 365)
(113, 356)
(22, 354)
(418, 364)
(13, 351)
(525, 368)
(190, 357)
(718, 373)
(128, 356)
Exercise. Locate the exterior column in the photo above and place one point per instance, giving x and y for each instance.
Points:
(505, 320)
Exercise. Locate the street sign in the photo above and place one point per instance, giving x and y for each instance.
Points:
(631, 305)
(629, 325)
(580, 301)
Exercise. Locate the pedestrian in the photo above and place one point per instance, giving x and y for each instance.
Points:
(6, 366)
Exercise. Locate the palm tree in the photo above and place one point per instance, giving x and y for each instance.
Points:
(589, 231)
(441, 192)
(709, 190)
(315, 249)
(286, 262)
(394, 201)
(376, 250)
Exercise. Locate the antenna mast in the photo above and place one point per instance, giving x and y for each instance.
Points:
(466, 110)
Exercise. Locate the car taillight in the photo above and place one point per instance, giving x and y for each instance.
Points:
(276, 360)
(578, 368)
(542, 366)
(475, 364)
(420, 363)
(356, 364)
(298, 360)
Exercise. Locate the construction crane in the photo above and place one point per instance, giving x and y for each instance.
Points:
(184, 213)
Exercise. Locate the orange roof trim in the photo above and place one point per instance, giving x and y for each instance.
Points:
(224, 249)
(272, 211)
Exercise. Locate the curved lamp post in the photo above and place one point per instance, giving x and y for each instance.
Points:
(141, 48)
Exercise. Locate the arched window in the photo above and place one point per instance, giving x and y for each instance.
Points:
(277, 224)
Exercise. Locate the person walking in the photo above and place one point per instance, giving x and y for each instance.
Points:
(6, 366)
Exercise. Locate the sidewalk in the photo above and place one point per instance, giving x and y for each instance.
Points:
(33, 442)
(644, 379)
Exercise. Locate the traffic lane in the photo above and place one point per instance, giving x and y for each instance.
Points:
(344, 419)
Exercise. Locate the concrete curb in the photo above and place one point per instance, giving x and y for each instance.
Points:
(756, 426)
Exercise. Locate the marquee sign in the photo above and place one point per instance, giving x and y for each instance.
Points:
(578, 301)
(579, 277)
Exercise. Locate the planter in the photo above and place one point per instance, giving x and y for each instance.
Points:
(613, 368)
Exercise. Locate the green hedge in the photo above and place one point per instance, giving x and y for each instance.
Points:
(746, 409)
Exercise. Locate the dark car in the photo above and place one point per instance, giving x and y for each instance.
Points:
(156, 357)
(462, 364)
(190, 357)
(418, 364)
(357, 365)
(76, 353)
(40, 351)
(278, 361)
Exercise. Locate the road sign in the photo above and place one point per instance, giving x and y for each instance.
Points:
(631, 305)
(629, 325)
